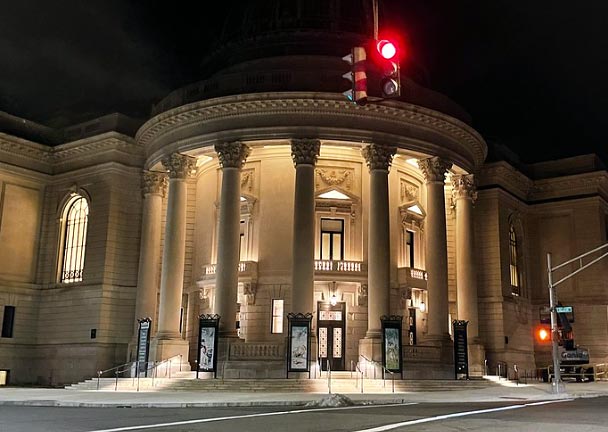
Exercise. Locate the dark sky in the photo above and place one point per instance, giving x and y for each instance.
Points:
(533, 74)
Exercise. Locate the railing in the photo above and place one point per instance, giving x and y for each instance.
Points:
(339, 266)
(384, 371)
(257, 351)
(359, 372)
(128, 367)
(413, 277)
(209, 270)
(601, 371)
(329, 376)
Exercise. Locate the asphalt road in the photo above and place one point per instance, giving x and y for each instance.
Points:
(578, 415)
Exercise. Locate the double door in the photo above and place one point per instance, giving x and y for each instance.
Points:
(331, 335)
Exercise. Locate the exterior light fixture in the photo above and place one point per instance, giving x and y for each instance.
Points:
(422, 307)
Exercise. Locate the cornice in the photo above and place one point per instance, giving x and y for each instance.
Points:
(70, 155)
(579, 184)
(503, 174)
(457, 137)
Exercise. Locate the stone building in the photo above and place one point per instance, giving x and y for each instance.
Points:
(262, 191)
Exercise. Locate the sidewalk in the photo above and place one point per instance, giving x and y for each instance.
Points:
(15, 396)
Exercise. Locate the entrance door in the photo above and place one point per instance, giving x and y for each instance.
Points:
(331, 334)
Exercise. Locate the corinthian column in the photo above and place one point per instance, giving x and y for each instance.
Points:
(154, 187)
(232, 156)
(168, 341)
(378, 159)
(464, 195)
(434, 170)
(304, 153)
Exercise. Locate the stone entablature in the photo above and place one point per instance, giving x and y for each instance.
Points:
(107, 147)
(504, 175)
(410, 127)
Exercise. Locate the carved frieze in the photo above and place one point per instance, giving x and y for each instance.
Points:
(305, 151)
(232, 154)
(154, 183)
(247, 181)
(409, 192)
(434, 169)
(250, 290)
(362, 295)
(179, 166)
(378, 156)
(330, 176)
(463, 186)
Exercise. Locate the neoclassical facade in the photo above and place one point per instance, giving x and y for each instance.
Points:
(250, 196)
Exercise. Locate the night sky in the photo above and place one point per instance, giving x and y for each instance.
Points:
(532, 74)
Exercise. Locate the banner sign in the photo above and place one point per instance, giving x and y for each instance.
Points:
(392, 352)
(143, 343)
(461, 354)
(298, 353)
(208, 330)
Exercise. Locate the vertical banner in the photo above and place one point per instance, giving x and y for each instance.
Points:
(461, 354)
(298, 352)
(143, 344)
(392, 352)
(208, 330)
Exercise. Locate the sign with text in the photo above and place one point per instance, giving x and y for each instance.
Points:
(143, 343)
(461, 354)
(563, 309)
(208, 330)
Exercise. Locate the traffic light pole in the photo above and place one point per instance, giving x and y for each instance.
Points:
(557, 384)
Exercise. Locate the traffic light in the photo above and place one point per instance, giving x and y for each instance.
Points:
(386, 62)
(357, 76)
(542, 334)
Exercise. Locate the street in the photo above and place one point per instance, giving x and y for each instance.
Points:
(587, 414)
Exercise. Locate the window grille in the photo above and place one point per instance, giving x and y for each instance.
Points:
(75, 219)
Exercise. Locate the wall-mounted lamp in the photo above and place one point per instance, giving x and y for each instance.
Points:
(333, 299)
(422, 307)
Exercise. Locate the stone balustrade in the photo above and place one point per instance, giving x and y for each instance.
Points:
(257, 351)
(412, 277)
(246, 268)
(339, 266)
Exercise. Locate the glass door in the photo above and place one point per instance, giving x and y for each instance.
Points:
(331, 325)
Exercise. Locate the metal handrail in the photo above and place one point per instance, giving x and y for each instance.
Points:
(361, 372)
(118, 371)
(329, 376)
(384, 371)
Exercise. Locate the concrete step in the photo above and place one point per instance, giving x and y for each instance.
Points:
(346, 385)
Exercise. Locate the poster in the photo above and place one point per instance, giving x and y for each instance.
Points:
(391, 348)
(207, 353)
(299, 348)
(143, 344)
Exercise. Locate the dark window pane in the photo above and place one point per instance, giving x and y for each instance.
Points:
(8, 321)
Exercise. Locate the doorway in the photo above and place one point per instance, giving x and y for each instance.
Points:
(331, 334)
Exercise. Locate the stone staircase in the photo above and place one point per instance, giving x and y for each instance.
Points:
(341, 382)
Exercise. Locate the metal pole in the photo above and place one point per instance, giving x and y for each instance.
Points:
(557, 385)
(375, 12)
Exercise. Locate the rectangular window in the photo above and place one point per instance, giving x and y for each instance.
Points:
(332, 239)
(409, 249)
(8, 321)
(277, 316)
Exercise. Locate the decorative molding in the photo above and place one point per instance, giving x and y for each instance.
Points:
(232, 154)
(409, 192)
(154, 183)
(501, 173)
(362, 295)
(434, 169)
(305, 151)
(179, 166)
(247, 181)
(342, 177)
(378, 156)
(463, 187)
(250, 290)
(472, 145)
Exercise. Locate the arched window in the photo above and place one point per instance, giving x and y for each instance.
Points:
(75, 218)
(513, 262)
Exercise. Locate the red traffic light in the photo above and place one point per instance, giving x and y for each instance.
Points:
(543, 334)
(386, 48)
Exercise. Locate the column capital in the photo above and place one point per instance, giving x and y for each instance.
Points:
(305, 151)
(463, 186)
(232, 154)
(378, 156)
(178, 165)
(154, 182)
(434, 169)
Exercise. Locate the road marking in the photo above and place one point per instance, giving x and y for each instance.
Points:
(455, 415)
(244, 416)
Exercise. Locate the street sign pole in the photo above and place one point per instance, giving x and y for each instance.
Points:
(557, 385)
